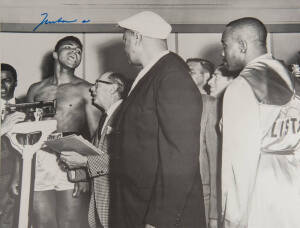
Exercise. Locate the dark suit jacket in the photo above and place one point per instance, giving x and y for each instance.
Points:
(156, 166)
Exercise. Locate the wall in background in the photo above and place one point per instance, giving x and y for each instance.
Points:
(104, 52)
(175, 11)
(286, 46)
(30, 53)
(203, 45)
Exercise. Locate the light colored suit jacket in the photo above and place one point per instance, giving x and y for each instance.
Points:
(208, 157)
(97, 171)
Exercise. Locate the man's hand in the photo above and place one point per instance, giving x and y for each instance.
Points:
(73, 159)
(10, 120)
(80, 187)
(14, 186)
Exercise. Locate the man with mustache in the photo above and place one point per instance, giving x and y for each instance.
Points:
(55, 205)
(108, 93)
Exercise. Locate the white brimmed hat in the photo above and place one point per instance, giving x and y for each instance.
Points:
(148, 24)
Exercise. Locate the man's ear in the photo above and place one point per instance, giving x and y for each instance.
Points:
(113, 88)
(138, 38)
(243, 46)
(206, 76)
(54, 54)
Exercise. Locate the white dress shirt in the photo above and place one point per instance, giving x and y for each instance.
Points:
(144, 71)
(110, 111)
(3, 103)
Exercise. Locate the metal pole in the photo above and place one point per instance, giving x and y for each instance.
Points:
(27, 156)
(27, 151)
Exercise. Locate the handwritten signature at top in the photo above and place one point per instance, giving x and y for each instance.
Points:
(60, 20)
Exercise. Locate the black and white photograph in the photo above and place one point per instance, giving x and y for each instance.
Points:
(150, 114)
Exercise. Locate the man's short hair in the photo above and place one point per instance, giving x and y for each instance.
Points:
(67, 38)
(251, 24)
(207, 65)
(122, 81)
(7, 67)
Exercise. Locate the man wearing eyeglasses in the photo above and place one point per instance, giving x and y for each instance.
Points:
(56, 201)
(107, 92)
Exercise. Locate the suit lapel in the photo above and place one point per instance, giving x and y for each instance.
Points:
(133, 95)
(108, 125)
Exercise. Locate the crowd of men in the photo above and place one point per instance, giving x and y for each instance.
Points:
(172, 155)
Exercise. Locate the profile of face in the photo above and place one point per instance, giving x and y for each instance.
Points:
(8, 85)
(218, 83)
(102, 90)
(130, 44)
(232, 52)
(199, 74)
(69, 54)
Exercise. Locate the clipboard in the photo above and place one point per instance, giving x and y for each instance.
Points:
(73, 143)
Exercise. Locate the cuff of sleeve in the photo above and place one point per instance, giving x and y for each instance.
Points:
(97, 165)
(77, 175)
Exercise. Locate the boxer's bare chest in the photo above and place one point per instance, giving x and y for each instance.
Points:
(70, 110)
(66, 95)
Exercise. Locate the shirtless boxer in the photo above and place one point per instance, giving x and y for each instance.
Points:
(53, 203)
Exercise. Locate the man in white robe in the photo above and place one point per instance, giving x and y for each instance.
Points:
(260, 169)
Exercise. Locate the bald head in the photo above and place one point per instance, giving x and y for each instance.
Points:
(250, 29)
(243, 40)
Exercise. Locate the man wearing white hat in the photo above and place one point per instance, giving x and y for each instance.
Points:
(156, 179)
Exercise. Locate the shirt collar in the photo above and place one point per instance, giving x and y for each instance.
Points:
(110, 111)
(10, 101)
(153, 61)
(2, 105)
(261, 57)
(272, 63)
(147, 68)
(113, 107)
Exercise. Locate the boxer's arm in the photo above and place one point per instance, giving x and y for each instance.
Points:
(31, 93)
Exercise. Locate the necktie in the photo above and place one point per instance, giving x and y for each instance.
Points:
(100, 125)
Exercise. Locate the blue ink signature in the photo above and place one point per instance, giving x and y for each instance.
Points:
(45, 21)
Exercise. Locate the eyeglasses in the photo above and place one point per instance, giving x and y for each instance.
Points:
(105, 82)
(101, 81)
